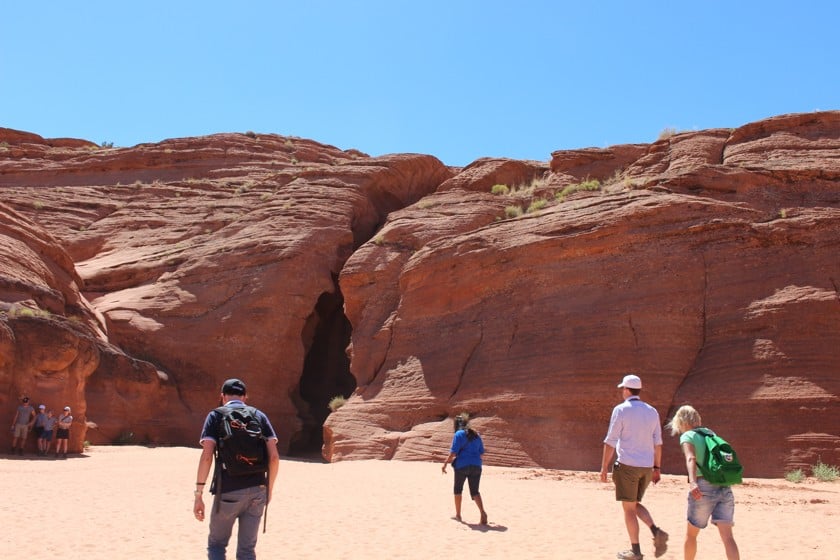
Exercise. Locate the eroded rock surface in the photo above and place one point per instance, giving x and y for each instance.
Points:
(706, 262)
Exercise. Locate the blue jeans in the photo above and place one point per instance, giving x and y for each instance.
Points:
(717, 502)
(247, 506)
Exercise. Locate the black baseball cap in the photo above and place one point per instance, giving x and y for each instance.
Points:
(233, 387)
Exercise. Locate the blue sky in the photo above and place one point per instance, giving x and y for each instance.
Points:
(456, 79)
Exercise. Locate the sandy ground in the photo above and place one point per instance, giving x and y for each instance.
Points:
(136, 502)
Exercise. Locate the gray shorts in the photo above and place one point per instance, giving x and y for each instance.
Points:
(718, 502)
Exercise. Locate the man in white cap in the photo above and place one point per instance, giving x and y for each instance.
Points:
(62, 435)
(635, 436)
(47, 435)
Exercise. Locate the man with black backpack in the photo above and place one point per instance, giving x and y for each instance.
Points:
(244, 445)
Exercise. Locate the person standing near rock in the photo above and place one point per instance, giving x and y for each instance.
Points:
(705, 500)
(46, 436)
(62, 435)
(38, 426)
(21, 423)
(635, 437)
(465, 456)
(244, 496)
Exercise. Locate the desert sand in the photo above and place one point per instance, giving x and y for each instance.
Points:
(136, 502)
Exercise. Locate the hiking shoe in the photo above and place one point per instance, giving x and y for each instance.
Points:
(660, 543)
(629, 555)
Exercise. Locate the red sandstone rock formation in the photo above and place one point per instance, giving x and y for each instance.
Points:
(699, 265)
(211, 258)
(706, 262)
(46, 351)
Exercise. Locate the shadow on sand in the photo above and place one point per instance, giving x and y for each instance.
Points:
(484, 528)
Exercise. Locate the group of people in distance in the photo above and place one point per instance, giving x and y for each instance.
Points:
(44, 424)
(632, 446)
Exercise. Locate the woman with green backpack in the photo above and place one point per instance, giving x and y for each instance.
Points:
(705, 499)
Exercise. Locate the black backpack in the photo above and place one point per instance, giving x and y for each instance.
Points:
(240, 450)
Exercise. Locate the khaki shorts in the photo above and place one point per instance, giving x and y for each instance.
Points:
(631, 482)
(21, 430)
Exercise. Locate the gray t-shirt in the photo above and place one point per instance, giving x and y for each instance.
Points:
(24, 414)
(64, 421)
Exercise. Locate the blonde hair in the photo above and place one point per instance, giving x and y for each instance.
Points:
(686, 418)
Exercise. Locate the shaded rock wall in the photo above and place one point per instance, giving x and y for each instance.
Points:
(705, 262)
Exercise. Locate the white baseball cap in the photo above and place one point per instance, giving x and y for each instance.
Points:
(631, 382)
(42, 406)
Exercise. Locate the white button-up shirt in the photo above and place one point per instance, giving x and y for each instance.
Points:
(634, 432)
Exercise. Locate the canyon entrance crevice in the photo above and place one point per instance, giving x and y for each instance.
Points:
(326, 371)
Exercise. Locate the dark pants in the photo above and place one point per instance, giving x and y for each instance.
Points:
(471, 474)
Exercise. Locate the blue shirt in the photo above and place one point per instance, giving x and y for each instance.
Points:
(634, 432)
(468, 452)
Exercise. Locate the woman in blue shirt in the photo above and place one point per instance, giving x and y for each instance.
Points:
(465, 455)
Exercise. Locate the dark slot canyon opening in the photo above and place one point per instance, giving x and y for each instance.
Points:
(326, 371)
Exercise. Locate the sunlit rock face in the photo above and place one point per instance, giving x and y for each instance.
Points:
(139, 279)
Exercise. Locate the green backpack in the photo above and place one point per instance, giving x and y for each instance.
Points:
(721, 466)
